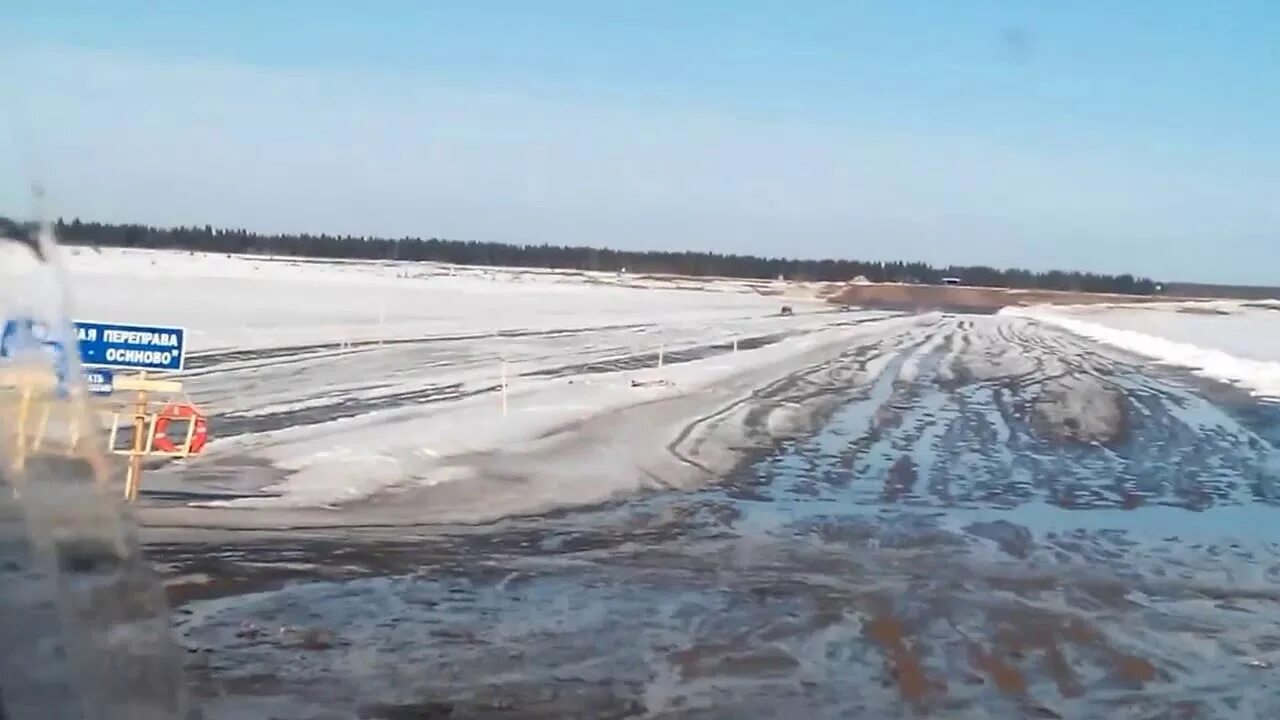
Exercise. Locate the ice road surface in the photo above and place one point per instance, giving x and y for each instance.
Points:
(329, 383)
(994, 518)
(1234, 341)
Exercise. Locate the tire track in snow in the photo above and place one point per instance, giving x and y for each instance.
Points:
(202, 363)
(348, 402)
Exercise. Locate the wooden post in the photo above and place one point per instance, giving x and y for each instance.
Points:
(115, 431)
(186, 444)
(134, 478)
(24, 409)
(75, 428)
(42, 427)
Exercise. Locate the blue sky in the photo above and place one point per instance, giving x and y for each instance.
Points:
(1140, 136)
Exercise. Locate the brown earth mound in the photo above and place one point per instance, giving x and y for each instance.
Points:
(952, 298)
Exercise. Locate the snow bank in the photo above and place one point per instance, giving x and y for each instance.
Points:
(1234, 342)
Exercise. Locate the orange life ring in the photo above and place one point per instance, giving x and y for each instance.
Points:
(199, 435)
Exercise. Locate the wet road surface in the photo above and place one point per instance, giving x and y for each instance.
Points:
(996, 519)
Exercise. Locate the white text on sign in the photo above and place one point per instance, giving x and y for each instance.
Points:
(128, 337)
(144, 357)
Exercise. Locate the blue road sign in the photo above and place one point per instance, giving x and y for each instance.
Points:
(99, 381)
(21, 334)
(26, 335)
(137, 347)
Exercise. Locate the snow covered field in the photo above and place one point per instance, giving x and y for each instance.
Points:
(332, 383)
(238, 302)
(1234, 341)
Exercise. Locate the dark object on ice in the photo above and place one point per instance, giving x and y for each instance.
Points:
(786, 310)
(1081, 409)
(309, 638)
(1012, 539)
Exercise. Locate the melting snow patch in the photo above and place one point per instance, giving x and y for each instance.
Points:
(327, 479)
(1261, 377)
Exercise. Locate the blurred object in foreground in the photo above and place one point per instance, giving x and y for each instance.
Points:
(84, 629)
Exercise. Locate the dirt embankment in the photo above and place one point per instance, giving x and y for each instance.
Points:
(961, 298)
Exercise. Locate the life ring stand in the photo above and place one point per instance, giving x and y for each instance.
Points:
(199, 430)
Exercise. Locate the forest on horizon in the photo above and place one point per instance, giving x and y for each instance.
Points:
(698, 263)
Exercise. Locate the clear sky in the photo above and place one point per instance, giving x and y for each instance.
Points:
(1140, 136)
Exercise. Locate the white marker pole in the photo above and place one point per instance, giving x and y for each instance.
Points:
(735, 344)
(504, 386)
(661, 351)
(382, 321)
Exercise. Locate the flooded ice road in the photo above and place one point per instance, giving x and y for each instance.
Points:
(996, 520)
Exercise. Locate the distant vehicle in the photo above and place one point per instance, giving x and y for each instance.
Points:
(786, 310)
(952, 281)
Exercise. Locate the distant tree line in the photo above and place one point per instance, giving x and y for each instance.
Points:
(210, 239)
(1205, 290)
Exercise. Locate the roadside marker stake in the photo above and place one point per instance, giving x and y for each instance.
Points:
(504, 386)
(661, 351)
(382, 321)
(24, 409)
(133, 478)
(735, 344)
